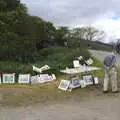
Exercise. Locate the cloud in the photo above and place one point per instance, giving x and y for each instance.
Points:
(71, 11)
(102, 13)
(111, 27)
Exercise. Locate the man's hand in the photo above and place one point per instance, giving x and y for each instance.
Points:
(107, 68)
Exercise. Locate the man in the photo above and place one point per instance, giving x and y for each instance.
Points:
(110, 73)
(118, 46)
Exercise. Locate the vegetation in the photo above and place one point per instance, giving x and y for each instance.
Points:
(56, 57)
(22, 37)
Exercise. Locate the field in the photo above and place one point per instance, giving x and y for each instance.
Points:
(46, 101)
(56, 58)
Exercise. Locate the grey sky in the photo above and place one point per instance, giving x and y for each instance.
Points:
(103, 14)
(68, 12)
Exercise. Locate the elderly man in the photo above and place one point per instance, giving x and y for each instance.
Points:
(118, 46)
(110, 73)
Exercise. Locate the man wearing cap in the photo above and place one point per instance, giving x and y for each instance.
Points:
(110, 73)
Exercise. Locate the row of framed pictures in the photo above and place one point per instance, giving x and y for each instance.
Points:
(27, 78)
(76, 82)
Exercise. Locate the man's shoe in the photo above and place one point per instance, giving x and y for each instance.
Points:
(105, 91)
(115, 91)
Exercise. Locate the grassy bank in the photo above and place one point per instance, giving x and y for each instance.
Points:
(57, 58)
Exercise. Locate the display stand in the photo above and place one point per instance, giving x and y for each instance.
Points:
(77, 71)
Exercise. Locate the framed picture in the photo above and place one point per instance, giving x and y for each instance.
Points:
(64, 84)
(45, 78)
(88, 79)
(83, 83)
(9, 78)
(76, 63)
(53, 77)
(35, 79)
(75, 82)
(24, 78)
(96, 81)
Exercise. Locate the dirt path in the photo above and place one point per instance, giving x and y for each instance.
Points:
(93, 107)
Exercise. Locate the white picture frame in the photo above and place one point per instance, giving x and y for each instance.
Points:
(9, 78)
(96, 81)
(83, 83)
(88, 79)
(24, 78)
(75, 83)
(76, 63)
(64, 85)
(35, 79)
(45, 78)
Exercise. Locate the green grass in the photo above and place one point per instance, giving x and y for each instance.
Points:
(57, 58)
(26, 94)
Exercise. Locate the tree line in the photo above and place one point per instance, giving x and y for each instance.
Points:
(22, 36)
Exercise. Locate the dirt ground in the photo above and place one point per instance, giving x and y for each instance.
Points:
(88, 104)
(102, 107)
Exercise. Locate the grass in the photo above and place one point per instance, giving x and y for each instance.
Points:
(26, 94)
(57, 58)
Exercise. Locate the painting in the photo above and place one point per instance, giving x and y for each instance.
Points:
(24, 78)
(83, 83)
(46, 78)
(35, 79)
(96, 81)
(75, 82)
(64, 84)
(88, 79)
(9, 78)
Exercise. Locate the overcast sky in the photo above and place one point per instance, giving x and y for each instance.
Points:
(103, 14)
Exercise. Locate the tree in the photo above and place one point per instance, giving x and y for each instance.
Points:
(78, 33)
(93, 34)
(62, 35)
(22, 35)
(6, 5)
